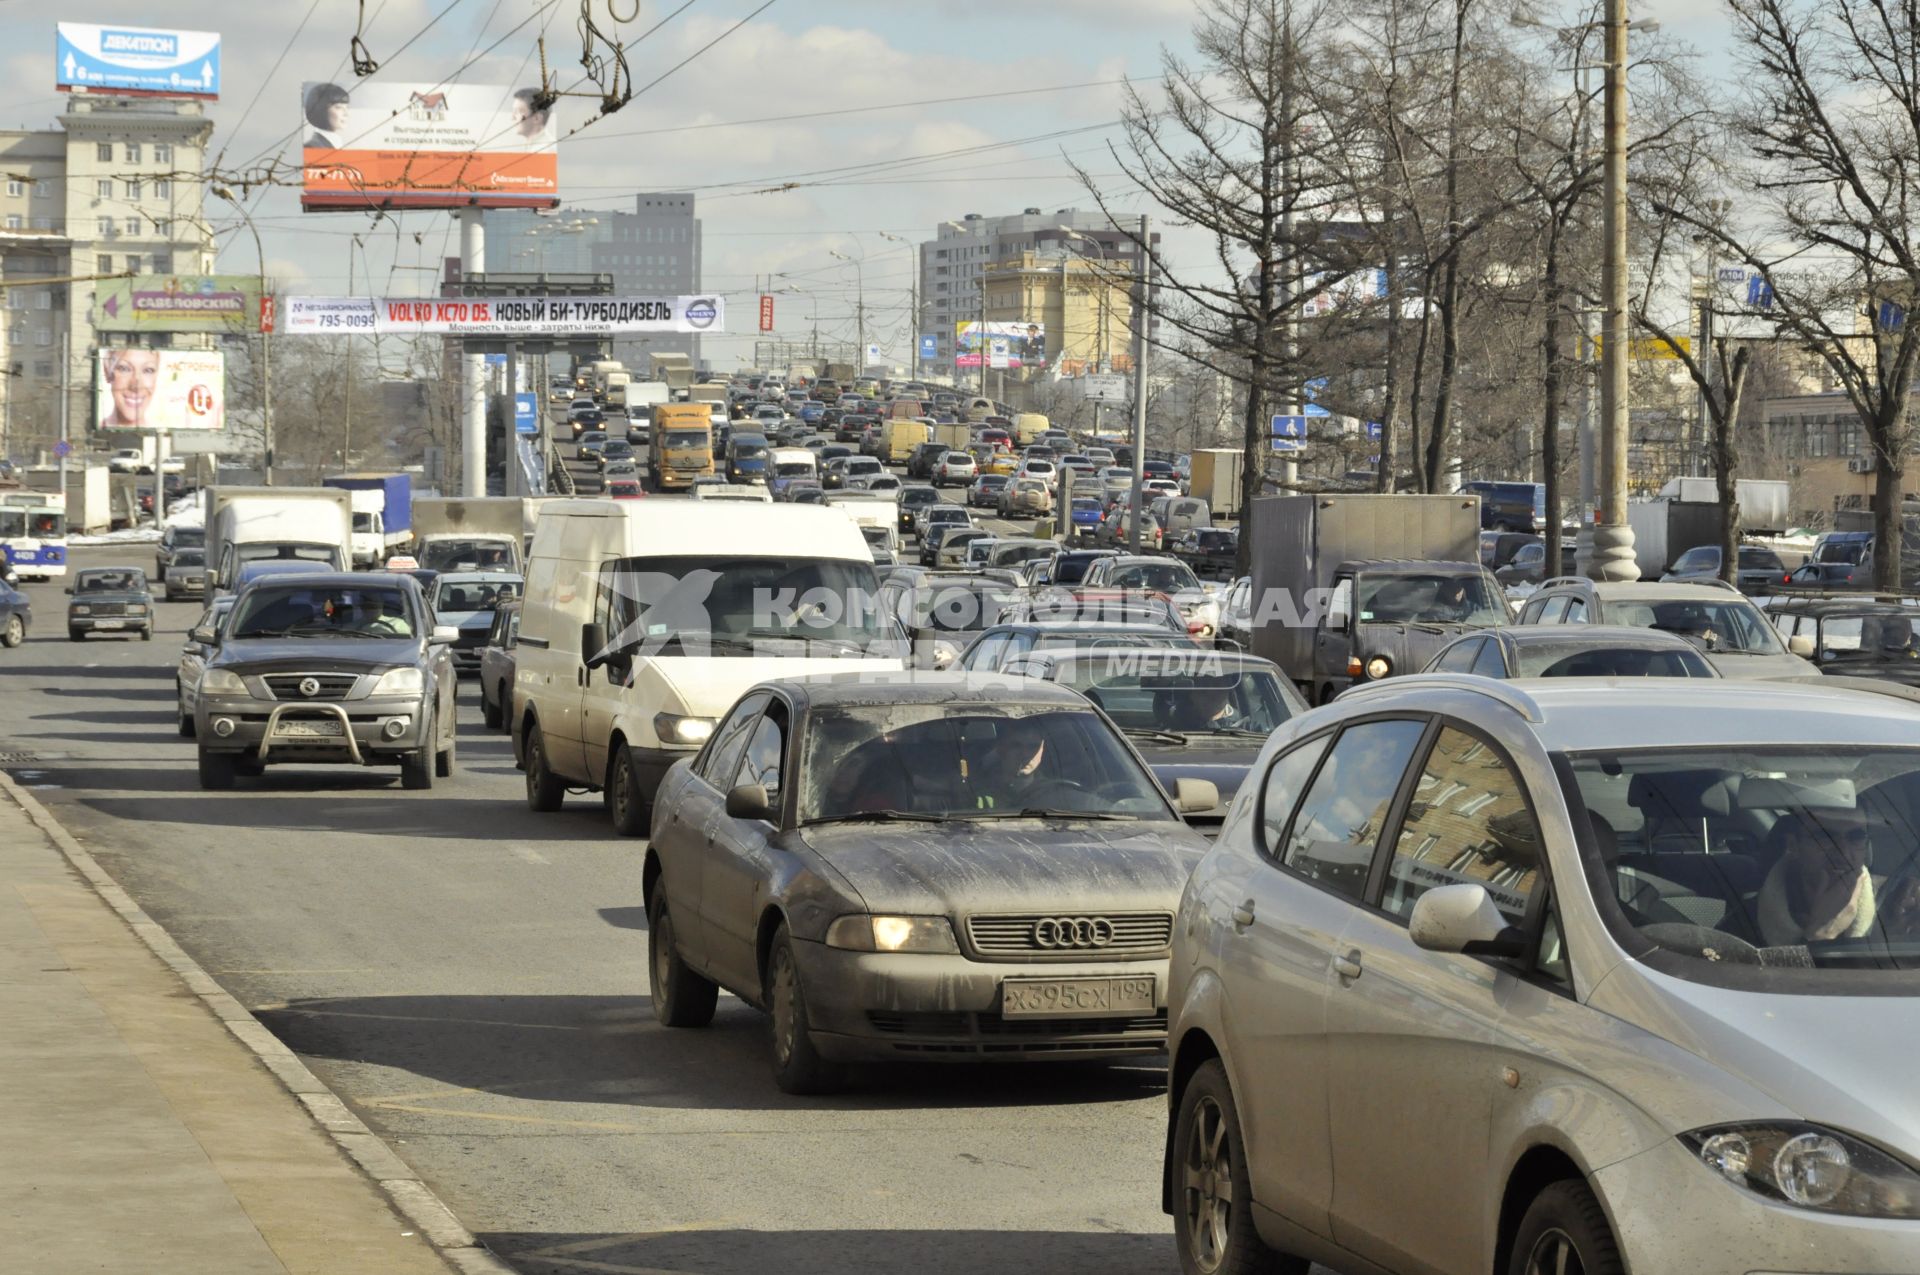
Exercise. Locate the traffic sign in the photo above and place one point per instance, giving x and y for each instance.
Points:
(1104, 387)
(1373, 429)
(63, 449)
(1289, 433)
(526, 414)
(929, 348)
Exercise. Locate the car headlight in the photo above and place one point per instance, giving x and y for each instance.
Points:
(400, 681)
(218, 681)
(136, 609)
(1809, 1167)
(1378, 667)
(672, 728)
(81, 608)
(892, 934)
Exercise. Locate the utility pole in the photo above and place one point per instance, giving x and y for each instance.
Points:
(1143, 288)
(1613, 556)
(266, 340)
(66, 403)
(473, 434)
(981, 339)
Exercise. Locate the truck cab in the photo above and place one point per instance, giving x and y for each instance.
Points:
(682, 447)
(1388, 617)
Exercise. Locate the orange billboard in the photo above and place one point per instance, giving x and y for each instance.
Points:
(426, 146)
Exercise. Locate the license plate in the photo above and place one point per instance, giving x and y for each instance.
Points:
(1071, 997)
(109, 624)
(323, 729)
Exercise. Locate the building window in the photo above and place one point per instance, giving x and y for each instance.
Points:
(163, 189)
(163, 263)
(41, 189)
(13, 221)
(133, 152)
(163, 152)
(43, 369)
(43, 337)
(105, 227)
(103, 263)
(133, 190)
(103, 189)
(16, 299)
(133, 263)
(15, 189)
(103, 151)
(43, 223)
(133, 225)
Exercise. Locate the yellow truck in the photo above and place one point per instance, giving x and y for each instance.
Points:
(1028, 426)
(898, 438)
(682, 447)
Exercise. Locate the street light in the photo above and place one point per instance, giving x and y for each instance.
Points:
(266, 341)
(860, 306)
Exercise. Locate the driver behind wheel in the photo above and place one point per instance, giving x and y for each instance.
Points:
(1002, 766)
(1819, 888)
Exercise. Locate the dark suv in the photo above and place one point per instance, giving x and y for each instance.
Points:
(327, 670)
(1510, 506)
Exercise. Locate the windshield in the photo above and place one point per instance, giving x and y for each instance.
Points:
(111, 582)
(1760, 560)
(1785, 868)
(957, 608)
(971, 761)
(1429, 599)
(1711, 625)
(190, 558)
(32, 523)
(1868, 636)
(190, 538)
(739, 606)
(288, 610)
(675, 439)
(466, 555)
(1581, 659)
(1186, 694)
(1843, 552)
(287, 553)
(473, 595)
(743, 450)
(1162, 577)
(792, 469)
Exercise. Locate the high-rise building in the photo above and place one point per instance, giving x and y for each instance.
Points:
(951, 264)
(114, 188)
(652, 251)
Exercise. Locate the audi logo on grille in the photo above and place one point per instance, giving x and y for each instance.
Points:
(309, 686)
(1072, 931)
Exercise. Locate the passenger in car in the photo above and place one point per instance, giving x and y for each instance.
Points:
(1819, 887)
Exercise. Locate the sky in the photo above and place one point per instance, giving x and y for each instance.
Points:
(1029, 89)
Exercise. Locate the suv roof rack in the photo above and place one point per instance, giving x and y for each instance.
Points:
(1503, 692)
(1561, 580)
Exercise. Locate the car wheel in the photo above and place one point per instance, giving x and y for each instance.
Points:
(146, 634)
(216, 771)
(417, 767)
(75, 635)
(1212, 1198)
(443, 761)
(491, 712)
(16, 632)
(681, 998)
(545, 792)
(185, 722)
(1565, 1232)
(626, 806)
(798, 1068)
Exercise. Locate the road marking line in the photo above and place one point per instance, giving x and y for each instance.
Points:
(530, 856)
(416, 1018)
(605, 1126)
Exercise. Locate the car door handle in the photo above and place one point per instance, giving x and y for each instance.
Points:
(1243, 915)
(1348, 966)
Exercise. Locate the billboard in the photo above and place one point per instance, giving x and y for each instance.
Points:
(140, 61)
(223, 304)
(533, 315)
(140, 389)
(426, 146)
(1025, 344)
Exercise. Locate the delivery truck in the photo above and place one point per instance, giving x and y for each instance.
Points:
(1215, 478)
(258, 524)
(382, 514)
(454, 533)
(1355, 588)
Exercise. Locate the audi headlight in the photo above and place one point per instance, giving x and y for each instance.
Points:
(218, 681)
(1378, 667)
(400, 681)
(892, 934)
(81, 608)
(1809, 1167)
(672, 728)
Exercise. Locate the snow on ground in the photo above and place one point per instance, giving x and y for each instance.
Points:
(127, 536)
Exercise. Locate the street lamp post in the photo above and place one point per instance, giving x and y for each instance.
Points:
(266, 343)
(1613, 556)
(860, 308)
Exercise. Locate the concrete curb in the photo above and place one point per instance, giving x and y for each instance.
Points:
(411, 1198)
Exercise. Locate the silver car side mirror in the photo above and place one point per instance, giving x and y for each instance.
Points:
(1801, 644)
(1195, 796)
(1462, 918)
(443, 635)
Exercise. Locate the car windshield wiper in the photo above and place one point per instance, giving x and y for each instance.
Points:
(1038, 812)
(876, 816)
(327, 630)
(1154, 732)
(1238, 732)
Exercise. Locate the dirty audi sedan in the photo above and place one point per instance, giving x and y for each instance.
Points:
(930, 866)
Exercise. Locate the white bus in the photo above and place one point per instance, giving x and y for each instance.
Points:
(33, 533)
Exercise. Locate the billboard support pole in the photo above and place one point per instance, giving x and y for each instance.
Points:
(473, 434)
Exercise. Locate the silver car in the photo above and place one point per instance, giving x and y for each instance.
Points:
(1557, 976)
(1725, 626)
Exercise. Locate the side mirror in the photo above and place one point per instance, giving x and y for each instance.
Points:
(1801, 644)
(69, 590)
(749, 801)
(593, 645)
(204, 636)
(1195, 796)
(443, 635)
(1462, 918)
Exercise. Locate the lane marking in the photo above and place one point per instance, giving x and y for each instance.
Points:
(283, 1008)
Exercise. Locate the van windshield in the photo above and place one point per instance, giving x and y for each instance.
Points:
(736, 606)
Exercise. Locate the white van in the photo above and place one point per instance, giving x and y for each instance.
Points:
(644, 621)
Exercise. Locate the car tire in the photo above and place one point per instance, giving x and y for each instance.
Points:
(16, 632)
(1212, 1196)
(76, 635)
(681, 998)
(1565, 1224)
(545, 792)
(629, 810)
(216, 771)
(490, 712)
(798, 1067)
(184, 719)
(416, 768)
(146, 634)
(445, 760)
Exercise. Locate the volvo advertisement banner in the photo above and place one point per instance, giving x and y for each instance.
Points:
(141, 61)
(140, 389)
(426, 146)
(502, 316)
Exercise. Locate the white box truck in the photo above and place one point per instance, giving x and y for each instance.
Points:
(259, 524)
(454, 533)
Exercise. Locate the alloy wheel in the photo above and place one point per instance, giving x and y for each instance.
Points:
(1207, 1185)
(1555, 1253)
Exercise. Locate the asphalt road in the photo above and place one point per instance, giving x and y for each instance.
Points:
(472, 978)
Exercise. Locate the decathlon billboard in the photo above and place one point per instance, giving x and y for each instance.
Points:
(141, 61)
(426, 146)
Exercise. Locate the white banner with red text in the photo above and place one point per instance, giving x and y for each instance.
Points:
(499, 316)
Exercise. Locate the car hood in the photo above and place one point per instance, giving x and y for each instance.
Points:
(316, 655)
(1841, 1061)
(1906, 672)
(94, 597)
(962, 868)
(1750, 668)
(1407, 647)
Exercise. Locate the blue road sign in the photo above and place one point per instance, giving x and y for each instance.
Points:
(63, 448)
(1289, 433)
(1759, 292)
(115, 59)
(526, 414)
(929, 348)
(1373, 429)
